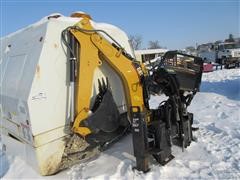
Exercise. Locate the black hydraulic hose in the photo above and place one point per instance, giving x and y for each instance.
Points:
(168, 111)
(104, 32)
(72, 46)
(177, 100)
(96, 30)
(64, 34)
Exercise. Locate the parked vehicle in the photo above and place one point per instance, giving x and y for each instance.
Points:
(227, 53)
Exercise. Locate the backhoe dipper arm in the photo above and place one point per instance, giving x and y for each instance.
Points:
(92, 47)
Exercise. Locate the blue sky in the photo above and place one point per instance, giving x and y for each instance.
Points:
(175, 24)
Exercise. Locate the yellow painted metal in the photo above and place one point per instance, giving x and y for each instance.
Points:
(124, 68)
(94, 48)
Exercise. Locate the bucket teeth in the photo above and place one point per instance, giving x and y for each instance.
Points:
(100, 88)
(103, 86)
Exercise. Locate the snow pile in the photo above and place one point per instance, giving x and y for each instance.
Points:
(216, 153)
(222, 75)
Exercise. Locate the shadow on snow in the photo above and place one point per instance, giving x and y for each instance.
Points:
(228, 88)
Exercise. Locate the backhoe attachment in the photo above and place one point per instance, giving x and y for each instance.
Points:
(99, 124)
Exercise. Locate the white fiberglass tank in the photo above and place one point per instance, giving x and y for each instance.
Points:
(34, 97)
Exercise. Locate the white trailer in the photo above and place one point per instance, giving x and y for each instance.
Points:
(34, 97)
(145, 55)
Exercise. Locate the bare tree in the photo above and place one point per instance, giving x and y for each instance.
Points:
(154, 45)
(136, 41)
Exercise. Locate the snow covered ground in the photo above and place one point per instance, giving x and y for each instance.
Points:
(216, 154)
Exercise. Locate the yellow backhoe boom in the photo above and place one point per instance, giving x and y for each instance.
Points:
(94, 49)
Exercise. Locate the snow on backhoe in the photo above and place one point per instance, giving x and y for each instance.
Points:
(71, 88)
